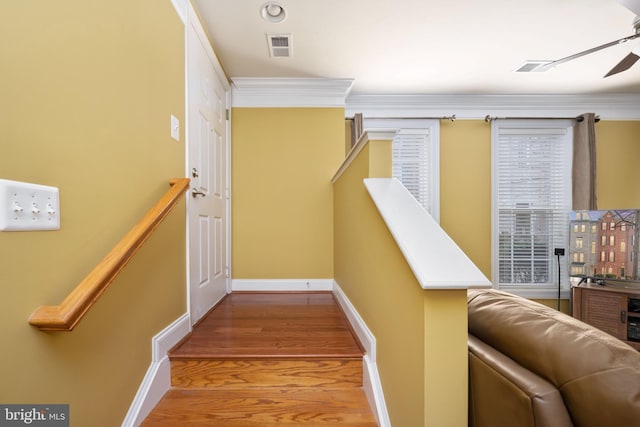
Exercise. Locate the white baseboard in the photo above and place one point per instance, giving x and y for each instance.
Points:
(371, 379)
(281, 285)
(373, 390)
(157, 380)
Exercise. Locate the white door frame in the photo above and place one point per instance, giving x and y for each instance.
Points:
(191, 19)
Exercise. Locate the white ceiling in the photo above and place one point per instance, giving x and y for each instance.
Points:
(430, 47)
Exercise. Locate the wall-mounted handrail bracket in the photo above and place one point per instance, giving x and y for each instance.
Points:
(65, 317)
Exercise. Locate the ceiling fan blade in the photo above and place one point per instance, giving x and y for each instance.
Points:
(626, 63)
(632, 5)
(552, 64)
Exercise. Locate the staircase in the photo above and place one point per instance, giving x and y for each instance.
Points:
(267, 359)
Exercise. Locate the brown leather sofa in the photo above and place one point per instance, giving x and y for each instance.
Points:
(532, 366)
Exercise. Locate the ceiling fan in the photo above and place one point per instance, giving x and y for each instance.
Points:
(626, 63)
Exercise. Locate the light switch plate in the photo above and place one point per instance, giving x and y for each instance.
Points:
(28, 207)
(175, 128)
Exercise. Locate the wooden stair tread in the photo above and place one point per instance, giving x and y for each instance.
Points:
(262, 407)
(260, 325)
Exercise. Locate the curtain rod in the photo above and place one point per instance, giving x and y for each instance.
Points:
(580, 118)
(451, 118)
(488, 118)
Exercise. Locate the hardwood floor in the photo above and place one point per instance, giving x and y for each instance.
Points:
(267, 359)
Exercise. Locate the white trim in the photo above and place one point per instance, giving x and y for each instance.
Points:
(369, 135)
(436, 260)
(363, 333)
(181, 9)
(370, 377)
(281, 285)
(228, 194)
(157, 380)
(608, 107)
(289, 92)
(195, 23)
(546, 293)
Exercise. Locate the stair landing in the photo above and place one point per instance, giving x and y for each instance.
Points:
(267, 359)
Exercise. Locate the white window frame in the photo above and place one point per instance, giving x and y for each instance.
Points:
(409, 126)
(548, 290)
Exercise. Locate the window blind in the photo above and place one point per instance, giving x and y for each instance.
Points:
(532, 200)
(416, 157)
(412, 160)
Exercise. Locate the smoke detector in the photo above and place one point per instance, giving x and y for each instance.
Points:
(273, 12)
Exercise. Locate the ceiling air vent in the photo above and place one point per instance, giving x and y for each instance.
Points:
(532, 66)
(279, 45)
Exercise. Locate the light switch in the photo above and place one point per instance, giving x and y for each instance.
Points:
(28, 207)
(175, 128)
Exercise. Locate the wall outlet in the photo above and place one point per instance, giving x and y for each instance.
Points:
(28, 207)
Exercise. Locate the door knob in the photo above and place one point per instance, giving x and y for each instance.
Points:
(195, 193)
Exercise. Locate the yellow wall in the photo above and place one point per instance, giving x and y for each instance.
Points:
(422, 365)
(87, 90)
(377, 280)
(446, 372)
(282, 207)
(465, 187)
(618, 151)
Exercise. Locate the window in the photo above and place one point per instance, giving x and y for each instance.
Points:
(415, 158)
(531, 165)
(612, 256)
(583, 228)
(603, 240)
(594, 229)
(593, 247)
(604, 226)
(623, 246)
(412, 159)
(612, 240)
(579, 243)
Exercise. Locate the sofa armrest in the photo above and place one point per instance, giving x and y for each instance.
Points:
(502, 393)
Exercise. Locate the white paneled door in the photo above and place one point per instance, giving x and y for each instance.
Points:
(207, 94)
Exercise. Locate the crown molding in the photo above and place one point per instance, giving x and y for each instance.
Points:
(289, 92)
(609, 107)
(181, 9)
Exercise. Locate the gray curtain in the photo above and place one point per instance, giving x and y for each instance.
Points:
(357, 128)
(584, 164)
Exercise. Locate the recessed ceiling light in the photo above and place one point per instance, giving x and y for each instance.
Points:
(273, 12)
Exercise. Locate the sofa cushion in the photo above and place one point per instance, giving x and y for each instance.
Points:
(597, 374)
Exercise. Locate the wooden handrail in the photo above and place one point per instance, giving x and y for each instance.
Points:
(65, 317)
